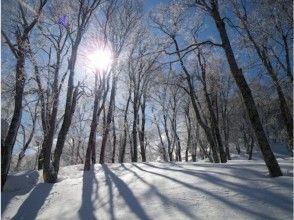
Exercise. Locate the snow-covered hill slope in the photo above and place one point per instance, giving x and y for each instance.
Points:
(240, 189)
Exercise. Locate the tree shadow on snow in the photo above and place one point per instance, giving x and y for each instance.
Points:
(33, 203)
(126, 193)
(26, 181)
(86, 210)
(164, 199)
(110, 191)
(261, 194)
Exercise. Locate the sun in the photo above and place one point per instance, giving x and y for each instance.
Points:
(101, 59)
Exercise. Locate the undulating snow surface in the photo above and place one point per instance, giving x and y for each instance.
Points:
(240, 189)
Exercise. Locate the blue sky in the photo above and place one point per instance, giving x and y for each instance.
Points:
(149, 4)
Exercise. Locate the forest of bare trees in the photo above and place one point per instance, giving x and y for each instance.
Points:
(186, 81)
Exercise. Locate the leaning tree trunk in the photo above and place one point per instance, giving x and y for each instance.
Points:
(269, 157)
(194, 105)
(287, 57)
(25, 147)
(264, 57)
(7, 148)
(214, 123)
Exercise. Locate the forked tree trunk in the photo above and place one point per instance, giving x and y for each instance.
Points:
(192, 95)
(214, 123)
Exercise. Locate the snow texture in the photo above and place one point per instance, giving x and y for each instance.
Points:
(240, 189)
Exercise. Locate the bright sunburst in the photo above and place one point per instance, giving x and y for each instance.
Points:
(100, 59)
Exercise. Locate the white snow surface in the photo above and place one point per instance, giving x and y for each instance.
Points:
(239, 189)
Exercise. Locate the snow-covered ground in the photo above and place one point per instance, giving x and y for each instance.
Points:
(240, 189)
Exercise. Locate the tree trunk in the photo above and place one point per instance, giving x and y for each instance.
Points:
(114, 139)
(7, 148)
(264, 57)
(270, 160)
(214, 123)
(164, 156)
(287, 57)
(92, 137)
(124, 142)
(134, 130)
(170, 153)
(194, 105)
(142, 131)
(251, 148)
(108, 121)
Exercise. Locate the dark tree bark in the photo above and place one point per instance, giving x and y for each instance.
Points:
(192, 94)
(270, 160)
(169, 149)
(134, 128)
(93, 129)
(213, 117)
(264, 57)
(289, 69)
(163, 150)
(29, 140)
(189, 132)
(113, 137)
(142, 130)
(251, 148)
(124, 141)
(50, 170)
(22, 38)
(108, 120)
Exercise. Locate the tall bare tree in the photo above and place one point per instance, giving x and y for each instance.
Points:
(18, 48)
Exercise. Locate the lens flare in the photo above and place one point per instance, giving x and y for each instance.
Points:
(101, 59)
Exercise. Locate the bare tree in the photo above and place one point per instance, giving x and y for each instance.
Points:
(27, 141)
(213, 10)
(18, 49)
(50, 170)
(263, 51)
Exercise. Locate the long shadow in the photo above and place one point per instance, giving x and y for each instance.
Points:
(260, 194)
(86, 210)
(165, 199)
(220, 198)
(6, 196)
(31, 206)
(127, 194)
(236, 173)
(110, 191)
